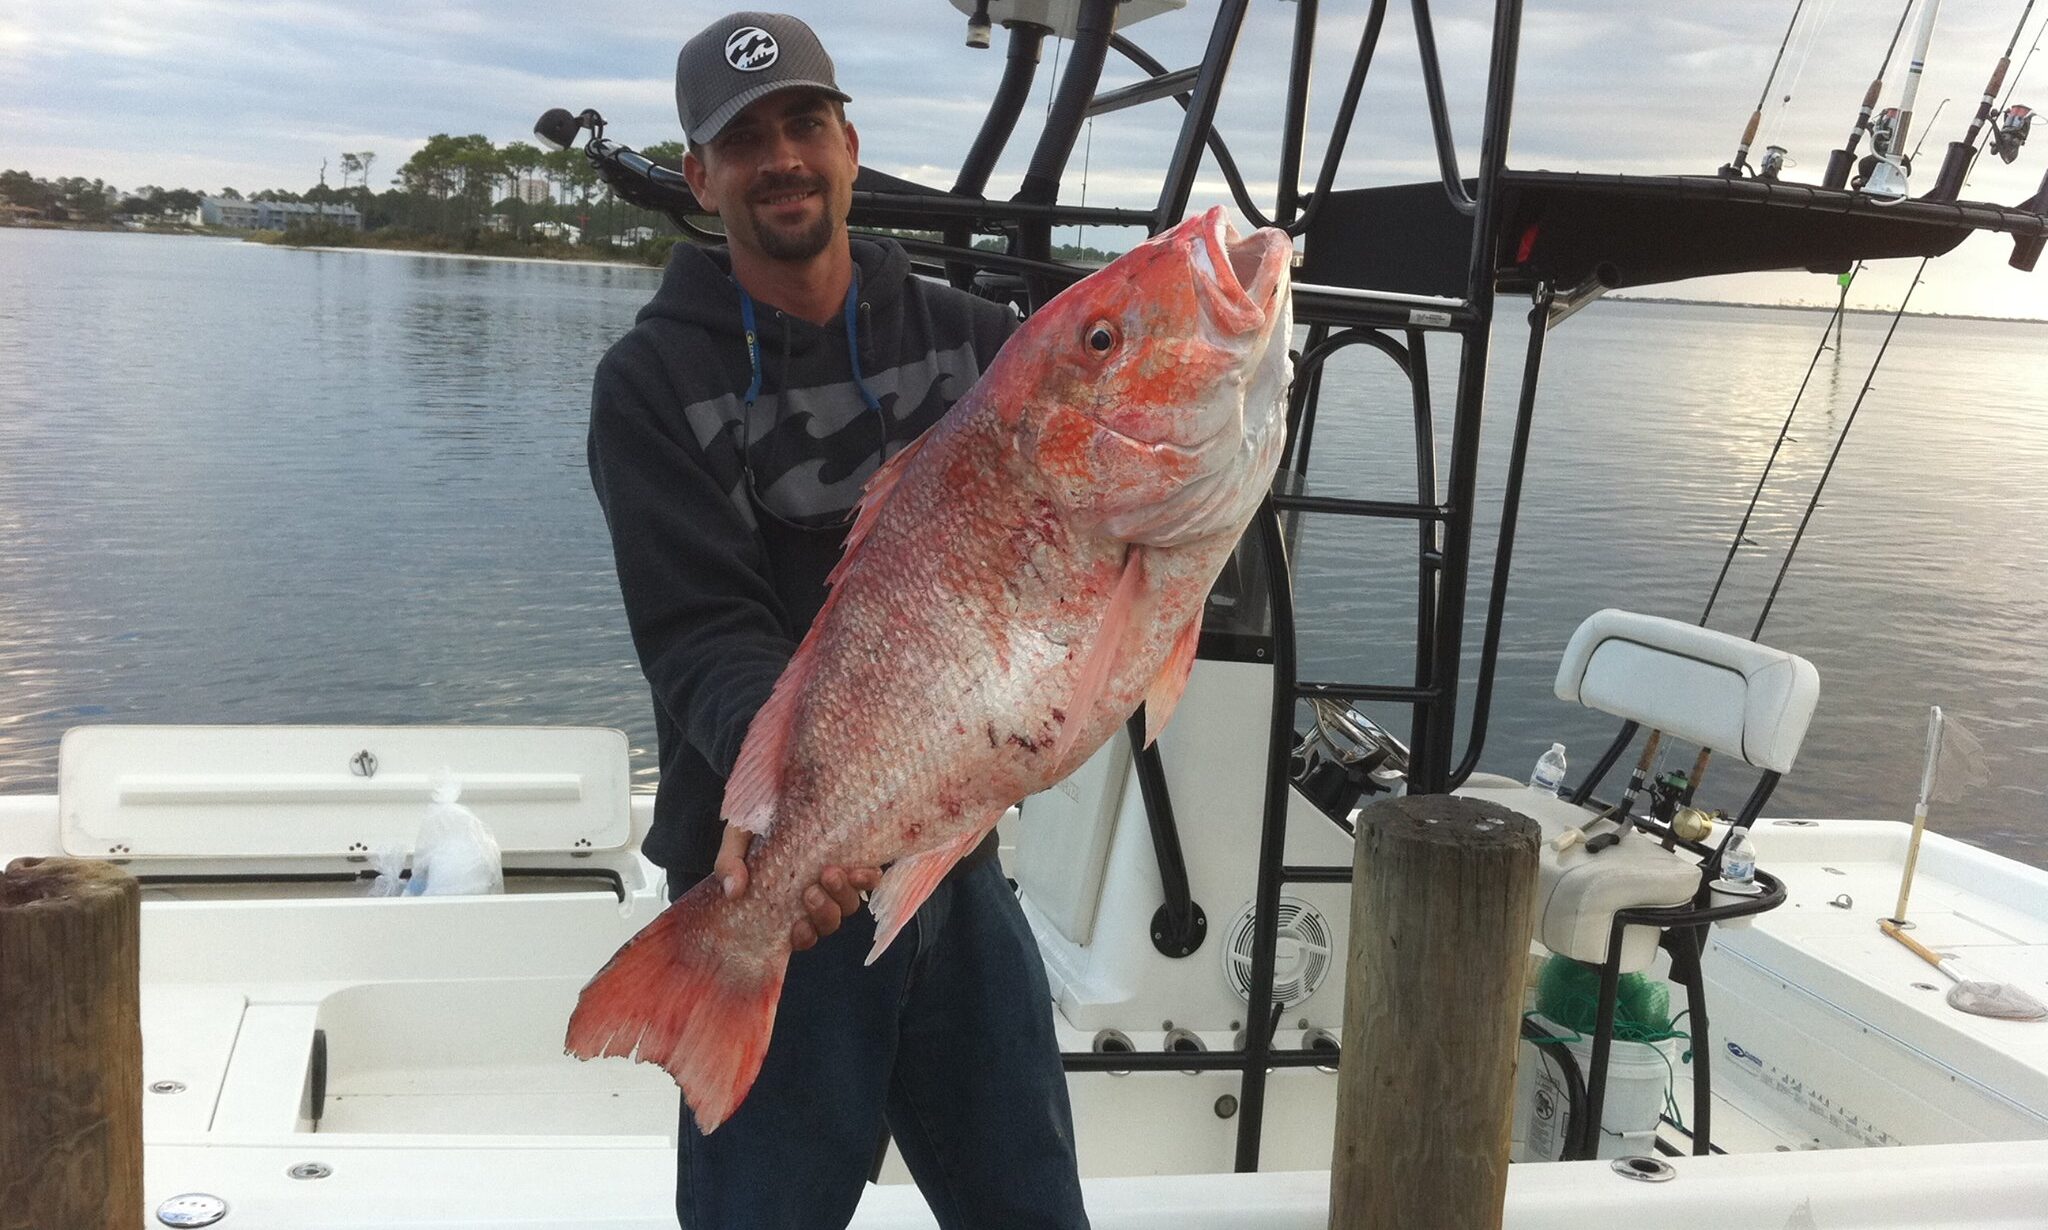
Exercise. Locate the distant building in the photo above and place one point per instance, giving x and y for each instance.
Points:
(534, 191)
(558, 230)
(274, 215)
(633, 236)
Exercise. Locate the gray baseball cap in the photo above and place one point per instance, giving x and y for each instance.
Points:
(744, 57)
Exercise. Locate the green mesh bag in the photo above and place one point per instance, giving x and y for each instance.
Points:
(1568, 992)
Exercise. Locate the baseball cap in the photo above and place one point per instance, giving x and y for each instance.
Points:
(743, 57)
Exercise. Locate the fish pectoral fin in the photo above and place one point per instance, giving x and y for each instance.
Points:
(754, 790)
(909, 881)
(1093, 680)
(1172, 680)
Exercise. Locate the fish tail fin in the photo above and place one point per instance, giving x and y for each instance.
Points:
(673, 996)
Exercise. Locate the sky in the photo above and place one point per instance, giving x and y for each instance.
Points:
(211, 93)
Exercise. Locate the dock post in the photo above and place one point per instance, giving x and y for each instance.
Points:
(1441, 897)
(70, 1046)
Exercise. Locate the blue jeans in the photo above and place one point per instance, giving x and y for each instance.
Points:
(948, 1038)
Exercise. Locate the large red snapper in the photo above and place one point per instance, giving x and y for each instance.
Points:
(1016, 582)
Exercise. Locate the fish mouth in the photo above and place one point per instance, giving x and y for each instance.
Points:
(1242, 277)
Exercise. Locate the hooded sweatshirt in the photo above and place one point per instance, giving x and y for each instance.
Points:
(722, 565)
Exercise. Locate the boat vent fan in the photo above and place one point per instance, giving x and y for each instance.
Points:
(1301, 959)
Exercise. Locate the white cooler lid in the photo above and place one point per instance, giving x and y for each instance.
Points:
(317, 791)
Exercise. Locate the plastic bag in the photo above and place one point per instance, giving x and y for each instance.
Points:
(454, 854)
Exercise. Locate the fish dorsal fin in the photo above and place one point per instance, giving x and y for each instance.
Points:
(755, 787)
(909, 881)
(1093, 680)
(873, 494)
(1172, 680)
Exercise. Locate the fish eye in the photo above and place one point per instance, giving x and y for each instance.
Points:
(1102, 337)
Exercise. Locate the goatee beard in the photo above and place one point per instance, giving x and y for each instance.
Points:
(796, 246)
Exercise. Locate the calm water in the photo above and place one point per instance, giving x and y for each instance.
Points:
(243, 484)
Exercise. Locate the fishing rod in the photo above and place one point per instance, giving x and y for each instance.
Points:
(1884, 171)
(1735, 169)
(1840, 439)
(1956, 164)
(1784, 433)
(2015, 122)
(1842, 159)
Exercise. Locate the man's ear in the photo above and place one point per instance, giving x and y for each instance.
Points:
(852, 143)
(699, 180)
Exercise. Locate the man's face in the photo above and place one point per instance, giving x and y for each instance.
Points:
(780, 175)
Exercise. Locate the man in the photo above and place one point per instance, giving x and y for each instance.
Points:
(730, 433)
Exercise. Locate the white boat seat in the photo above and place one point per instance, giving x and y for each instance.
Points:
(334, 793)
(1719, 691)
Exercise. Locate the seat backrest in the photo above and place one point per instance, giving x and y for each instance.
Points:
(1719, 691)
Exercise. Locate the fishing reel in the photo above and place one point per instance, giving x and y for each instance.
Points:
(1344, 757)
(1774, 163)
(2011, 132)
(1884, 131)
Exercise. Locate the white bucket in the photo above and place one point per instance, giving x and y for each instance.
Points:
(1638, 1076)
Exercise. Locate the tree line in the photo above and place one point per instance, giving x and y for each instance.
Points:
(462, 193)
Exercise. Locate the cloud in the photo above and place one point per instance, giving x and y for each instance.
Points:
(209, 92)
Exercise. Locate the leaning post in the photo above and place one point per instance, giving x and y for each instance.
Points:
(1440, 927)
(70, 1046)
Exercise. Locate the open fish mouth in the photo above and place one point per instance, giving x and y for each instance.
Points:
(1241, 276)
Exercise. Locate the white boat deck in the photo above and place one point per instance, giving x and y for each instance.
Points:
(448, 1102)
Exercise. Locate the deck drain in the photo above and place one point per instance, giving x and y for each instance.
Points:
(192, 1209)
(1644, 1169)
(310, 1170)
(167, 1087)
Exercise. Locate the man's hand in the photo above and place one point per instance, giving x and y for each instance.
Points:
(826, 903)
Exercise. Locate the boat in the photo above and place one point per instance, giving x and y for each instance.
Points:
(320, 1056)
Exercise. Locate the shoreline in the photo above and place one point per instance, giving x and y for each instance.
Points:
(598, 263)
(586, 262)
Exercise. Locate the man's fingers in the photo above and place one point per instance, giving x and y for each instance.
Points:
(801, 936)
(731, 865)
(836, 882)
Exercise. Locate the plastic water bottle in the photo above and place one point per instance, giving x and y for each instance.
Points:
(1738, 861)
(1548, 776)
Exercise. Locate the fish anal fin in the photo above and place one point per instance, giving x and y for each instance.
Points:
(1172, 680)
(910, 881)
(1095, 674)
(873, 494)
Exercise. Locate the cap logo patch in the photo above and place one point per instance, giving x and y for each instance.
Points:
(751, 49)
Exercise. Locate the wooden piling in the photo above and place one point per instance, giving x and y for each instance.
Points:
(70, 1046)
(1440, 928)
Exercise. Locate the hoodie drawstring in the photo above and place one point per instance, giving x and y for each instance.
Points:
(855, 314)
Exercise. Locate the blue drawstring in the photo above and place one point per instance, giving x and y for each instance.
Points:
(867, 396)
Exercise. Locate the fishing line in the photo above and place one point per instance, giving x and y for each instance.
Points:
(1740, 162)
(1783, 433)
(1812, 37)
(1841, 439)
(2015, 82)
